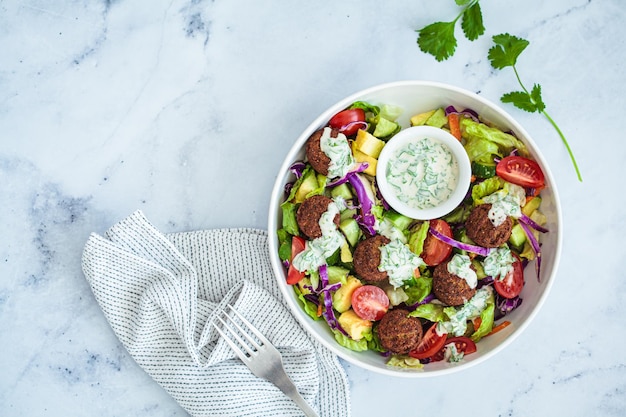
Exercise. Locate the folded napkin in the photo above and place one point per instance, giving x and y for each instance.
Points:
(160, 294)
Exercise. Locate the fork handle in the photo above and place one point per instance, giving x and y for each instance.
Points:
(287, 386)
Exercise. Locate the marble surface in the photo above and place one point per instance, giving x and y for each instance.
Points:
(185, 109)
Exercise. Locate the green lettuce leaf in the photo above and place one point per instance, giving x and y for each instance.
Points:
(485, 188)
(472, 131)
(290, 224)
(356, 345)
(430, 311)
(417, 236)
(487, 318)
(419, 289)
(308, 307)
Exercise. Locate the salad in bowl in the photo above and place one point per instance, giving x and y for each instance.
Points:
(405, 291)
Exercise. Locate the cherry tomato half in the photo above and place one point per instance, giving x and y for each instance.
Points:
(370, 302)
(435, 251)
(521, 171)
(293, 275)
(463, 344)
(513, 282)
(344, 118)
(431, 344)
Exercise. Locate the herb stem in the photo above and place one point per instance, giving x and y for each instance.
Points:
(519, 80)
(569, 150)
(553, 123)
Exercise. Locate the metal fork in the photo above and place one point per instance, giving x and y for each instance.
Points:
(263, 359)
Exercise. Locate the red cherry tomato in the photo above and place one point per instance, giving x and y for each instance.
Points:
(521, 171)
(462, 344)
(344, 118)
(370, 302)
(513, 282)
(293, 275)
(435, 251)
(431, 343)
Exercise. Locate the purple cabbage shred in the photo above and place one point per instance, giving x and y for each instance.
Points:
(297, 168)
(328, 312)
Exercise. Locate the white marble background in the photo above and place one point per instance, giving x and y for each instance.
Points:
(185, 109)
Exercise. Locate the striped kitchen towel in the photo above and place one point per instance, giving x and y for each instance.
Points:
(160, 293)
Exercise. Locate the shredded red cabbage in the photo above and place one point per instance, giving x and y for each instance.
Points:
(328, 312)
(430, 297)
(530, 222)
(366, 219)
(488, 280)
(479, 250)
(297, 168)
(467, 112)
(288, 188)
(534, 243)
(338, 181)
(505, 305)
(364, 125)
(450, 109)
(315, 299)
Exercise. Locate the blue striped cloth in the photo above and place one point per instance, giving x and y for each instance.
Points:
(160, 293)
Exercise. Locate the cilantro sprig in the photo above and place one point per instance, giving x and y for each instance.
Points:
(438, 39)
(504, 54)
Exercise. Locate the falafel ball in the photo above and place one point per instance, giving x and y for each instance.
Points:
(309, 213)
(482, 231)
(366, 258)
(315, 155)
(398, 332)
(450, 289)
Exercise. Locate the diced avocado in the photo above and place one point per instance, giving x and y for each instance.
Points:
(420, 119)
(308, 184)
(478, 267)
(346, 253)
(527, 252)
(538, 217)
(531, 205)
(343, 191)
(438, 119)
(342, 298)
(384, 128)
(337, 274)
(518, 236)
(368, 143)
(351, 230)
(354, 325)
(304, 285)
(361, 157)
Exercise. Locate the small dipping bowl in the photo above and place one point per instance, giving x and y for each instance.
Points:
(402, 140)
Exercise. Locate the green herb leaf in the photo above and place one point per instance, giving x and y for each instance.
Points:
(503, 54)
(535, 95)
(521, 100)
(462, 2)
(472, 22)
(506, 50)
(438, 40)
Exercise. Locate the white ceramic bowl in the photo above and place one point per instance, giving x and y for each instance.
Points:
(417, 97)
(414, 134)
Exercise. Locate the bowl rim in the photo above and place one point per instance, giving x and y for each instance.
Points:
(275, 201)
(417, 133)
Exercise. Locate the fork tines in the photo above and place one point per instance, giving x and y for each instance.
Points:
(248, 346)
